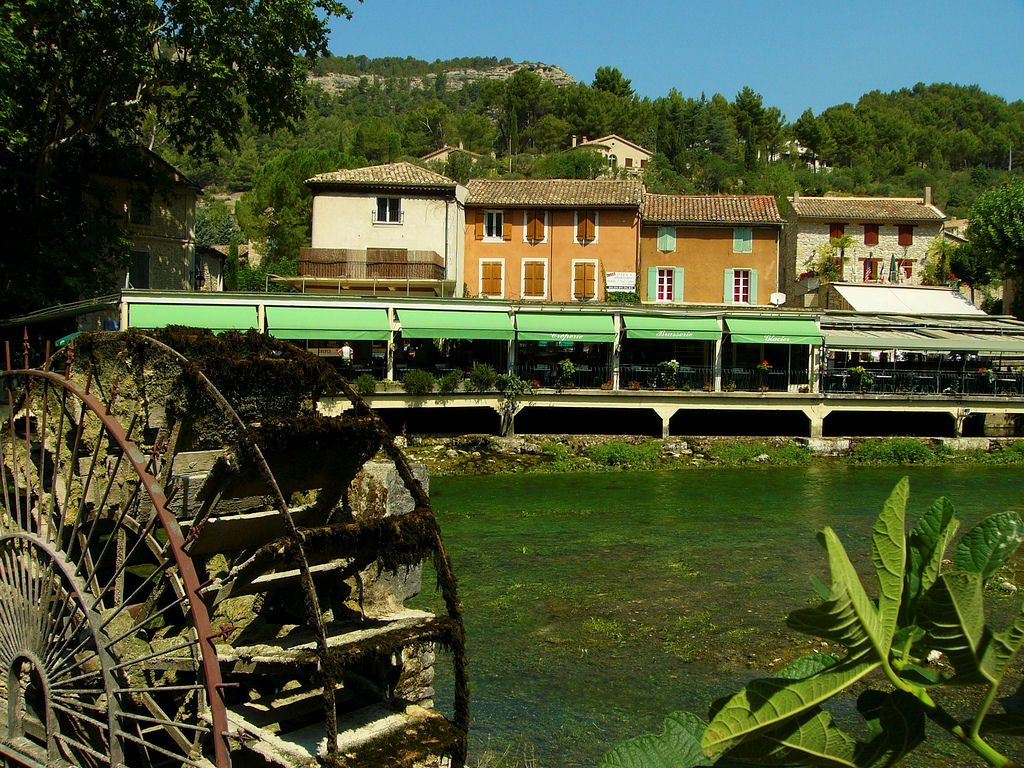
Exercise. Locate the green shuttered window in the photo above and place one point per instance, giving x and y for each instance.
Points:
(666, 239)
(742, 240)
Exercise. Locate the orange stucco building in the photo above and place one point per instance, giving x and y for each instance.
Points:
(709, 249)
(551, 239)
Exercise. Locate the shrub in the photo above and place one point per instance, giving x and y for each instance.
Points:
(481, 378)
(449, 382)
(418, 382)
(748, 453)
(626, 455)
(566, 372)
(894, 450)
(365, 384)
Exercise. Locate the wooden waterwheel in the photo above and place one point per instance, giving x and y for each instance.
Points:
(198, 569)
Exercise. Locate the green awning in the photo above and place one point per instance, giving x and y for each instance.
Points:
(328, 323)
(951, 341)
(564, 326)
(879, 340)
(216, 317)
(65, 340)
(453, 324)
(770, 330)
(672, 328)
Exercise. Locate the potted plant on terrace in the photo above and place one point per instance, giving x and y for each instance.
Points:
(566, 373)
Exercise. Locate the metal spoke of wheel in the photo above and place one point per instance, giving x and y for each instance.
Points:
(105, 645)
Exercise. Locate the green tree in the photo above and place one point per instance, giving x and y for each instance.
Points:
(966, 266)
(215, 224)
(610, 79)
(810, 132)
(276, 213)
(996, 230)
(749, 116)
(81, 80)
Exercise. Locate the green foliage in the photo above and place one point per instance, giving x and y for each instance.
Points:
(418, 382)
(481, 378)
(365, 384)
(277, 212)
(920, 610)
(894, 450)
(754, 453)
(566, 372)
(617, 453)
(83, 84)
(215, 224)
(996, 231)
(449, 382)
(677, 745)
(610, 79)
(860, 378)
(577, 164)
(622, 297)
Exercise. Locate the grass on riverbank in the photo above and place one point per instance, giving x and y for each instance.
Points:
(482, 455)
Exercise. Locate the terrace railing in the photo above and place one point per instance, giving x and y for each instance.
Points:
(908, 382)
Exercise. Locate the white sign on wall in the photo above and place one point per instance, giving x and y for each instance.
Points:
(620, 281)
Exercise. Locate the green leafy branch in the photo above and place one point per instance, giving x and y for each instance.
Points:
(920, 611)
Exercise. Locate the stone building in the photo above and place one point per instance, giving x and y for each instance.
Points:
(887, 232)
(159, 214)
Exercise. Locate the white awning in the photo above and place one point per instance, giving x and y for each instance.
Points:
(906, 300)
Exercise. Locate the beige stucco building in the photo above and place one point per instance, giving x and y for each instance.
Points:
(385, 228)
(885, 231)
(620, 153)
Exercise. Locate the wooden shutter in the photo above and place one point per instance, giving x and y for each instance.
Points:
(490, 278)
(870, 234)
(585, 226)
(583, 280)
(506, 226)
(629, 162)
(753, 286)
(533, 278)
(677, 284)
(479, 224)
(727, 287)
(906, 235)
(666, 239)
(535, 226)
(835, 230)
(652, 283)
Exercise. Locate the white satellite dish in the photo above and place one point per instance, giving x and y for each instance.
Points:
(778, 299)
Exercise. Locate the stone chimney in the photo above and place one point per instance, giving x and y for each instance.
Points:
(927, 195)
(460, 144)
(584, 139)
(574, 140)
(796, 195)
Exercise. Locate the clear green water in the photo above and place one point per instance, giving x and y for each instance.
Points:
(596, 604)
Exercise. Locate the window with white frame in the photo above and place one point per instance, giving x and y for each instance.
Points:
(741, 286)
(535, 279)
(389, 210)
(494, 225)
(492, 278)
(664, 287)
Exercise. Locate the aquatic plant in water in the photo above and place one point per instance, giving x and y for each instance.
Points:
(924, 610)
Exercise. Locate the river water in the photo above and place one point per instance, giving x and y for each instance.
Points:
(596, 604)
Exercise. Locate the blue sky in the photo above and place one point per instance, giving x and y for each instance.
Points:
(797, 54)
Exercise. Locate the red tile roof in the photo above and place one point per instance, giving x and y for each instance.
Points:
(393, 174)
(866, 209)
(553, 193)
(712, 209)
